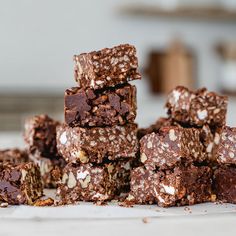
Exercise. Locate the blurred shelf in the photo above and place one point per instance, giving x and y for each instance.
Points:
(196, 13)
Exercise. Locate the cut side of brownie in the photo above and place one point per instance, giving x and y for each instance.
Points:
(182, 185)
(20, 184)
(88, 182)
(88, 108)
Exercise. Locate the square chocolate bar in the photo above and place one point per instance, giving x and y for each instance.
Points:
(224, 183)
(40, 136)
(97, 144)
(20, 184)
(197, 108)
(182, 185)
(87, 107)
(170, 146)
(88, 182)
(107, 67)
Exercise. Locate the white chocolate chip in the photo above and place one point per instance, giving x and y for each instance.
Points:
(84, 183)
(217, 138)
(168, 189)
(143, 157)
(231, 154)
(202, 114)
(172, 135)
(209, 147)
(149, 144)
(71, 181)
(63, 138)
(176, 95)
(64, 178)
(23, 174)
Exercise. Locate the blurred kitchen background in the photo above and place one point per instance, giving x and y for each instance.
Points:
(178, 41)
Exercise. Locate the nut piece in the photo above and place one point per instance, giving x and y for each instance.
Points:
(143, 157)
(84, 183)
(44, 202)
(71, 180)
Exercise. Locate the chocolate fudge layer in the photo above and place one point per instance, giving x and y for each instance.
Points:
(226, 153)
(197, 108)
(13, 156)
(88, 182)
(97, 144)
(107, 67)
(40, 135)
(224, 183)
(20, 184)
(182, 185)
(87, 107)
(47, 166)
(171, 145)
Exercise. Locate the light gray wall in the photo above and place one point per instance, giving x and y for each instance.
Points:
(38, 39)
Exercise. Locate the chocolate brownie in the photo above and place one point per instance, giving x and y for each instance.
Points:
(47, 166)
(161, 122)
(171, 145)
(13, 156)
(88, 182)
(107, 67)
(226, 153)
(182, 185)
(97, 144)
(197, 108)
(40, 136)
(20, 184)
(224, 183)
(87, 107)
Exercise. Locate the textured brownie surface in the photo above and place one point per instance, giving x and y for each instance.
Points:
(87, 107)
(98, 143)
(107, 67)
(197, 108)
(40, 136)
(13, 156)
(20, 184)
(170, 146)
(224, 183)
(226, 153)
(161, 122)
(47, 166)
(88, 182)
(182, 185)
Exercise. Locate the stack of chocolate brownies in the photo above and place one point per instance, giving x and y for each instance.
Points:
(179, 153)
(99, 137)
